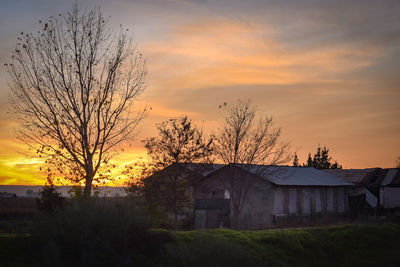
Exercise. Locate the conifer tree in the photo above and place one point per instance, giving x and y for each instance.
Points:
(309, 161)
(317, 161)
(321, 160)
(295, 160)
(325, 159)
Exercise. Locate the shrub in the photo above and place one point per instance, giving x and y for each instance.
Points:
(50, 199)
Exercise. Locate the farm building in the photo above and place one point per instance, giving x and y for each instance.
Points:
(376, 191)
(7, 195)
(172, 188)
(268, 196)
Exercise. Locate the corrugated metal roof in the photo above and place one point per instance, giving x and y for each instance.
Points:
(389, 176)
(351, 175)
(396, 179)
(371, 199)
(295, 176)
(365, 177)
(203, 168)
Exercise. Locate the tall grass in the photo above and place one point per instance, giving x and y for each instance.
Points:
(98, 232)
(350, 245)
(17, 207)
(117, 232)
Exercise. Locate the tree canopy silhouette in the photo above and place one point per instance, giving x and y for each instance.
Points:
(178, 142)
(74, 88)
(321, 160)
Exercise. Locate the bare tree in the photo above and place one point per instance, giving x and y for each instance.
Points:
(247, 140)
(74, 87)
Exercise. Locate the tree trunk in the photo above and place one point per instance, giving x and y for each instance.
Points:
(88, 180)
(176, 220)
(87, 192)
(235, 219)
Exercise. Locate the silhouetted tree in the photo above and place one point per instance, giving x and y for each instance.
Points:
(309, 161)
(295, 160)
(398, 162)
(321, 160)
(247, 139)
(50, 200)
(74, 85)
(178, 142)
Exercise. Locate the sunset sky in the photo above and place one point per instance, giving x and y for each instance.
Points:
(327, 71)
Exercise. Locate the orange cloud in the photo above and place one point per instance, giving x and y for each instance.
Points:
(224, 52)
(311, 91)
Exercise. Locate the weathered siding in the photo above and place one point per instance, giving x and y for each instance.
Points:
(258, 207)
(292, 201)
(278, 201)
(200, 219)
(306, 202)
(341, 200)
(391, 197)
(309, 200)
(318, 200)
(329, 200)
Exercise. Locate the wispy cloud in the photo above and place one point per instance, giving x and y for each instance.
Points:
(327, 70)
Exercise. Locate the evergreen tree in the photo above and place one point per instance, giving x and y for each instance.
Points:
(336, 165)
(321, 160)
(309, 161)
(295, 160)
(325, 159)
(317, 162)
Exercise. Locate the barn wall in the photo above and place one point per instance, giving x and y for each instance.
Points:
(257, 209)
(306, 201)
(278, 201)
(391, 197)
(318, 200)
(342, 199)
(268, 205)
(301, 203)
(329, 199)
(292, 200)
(200, 219)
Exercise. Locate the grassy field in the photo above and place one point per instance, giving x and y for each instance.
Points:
(349, 245)
(17, 207)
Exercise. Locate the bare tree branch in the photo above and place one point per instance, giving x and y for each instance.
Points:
(246, 140)
(74, 87)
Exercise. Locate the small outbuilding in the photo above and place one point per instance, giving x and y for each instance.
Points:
(376, 191)
(7, 195)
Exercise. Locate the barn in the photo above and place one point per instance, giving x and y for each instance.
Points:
(271, 195)
(376, 191)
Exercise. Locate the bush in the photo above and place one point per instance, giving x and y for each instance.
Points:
(50, 200)
(110, 232)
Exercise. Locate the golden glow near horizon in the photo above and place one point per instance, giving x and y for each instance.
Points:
(327, 71)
